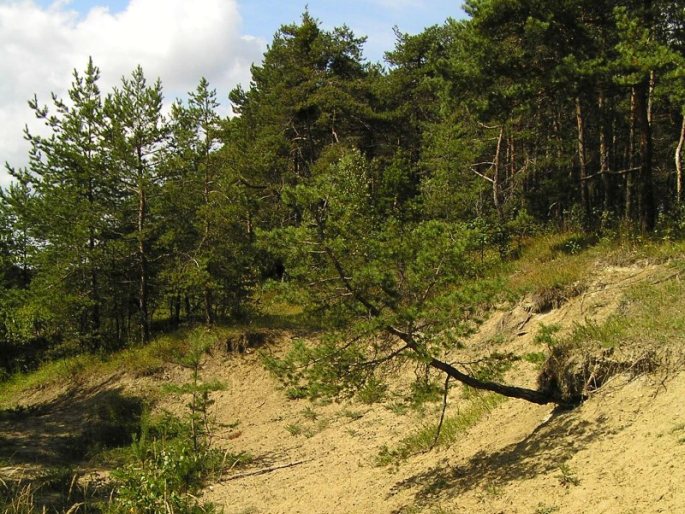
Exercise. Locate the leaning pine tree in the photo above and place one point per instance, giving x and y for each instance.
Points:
(394, 289)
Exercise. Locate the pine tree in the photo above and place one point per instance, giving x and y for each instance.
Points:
(136, 135)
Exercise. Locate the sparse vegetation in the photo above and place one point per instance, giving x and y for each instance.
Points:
(546, 509)
(567, 477)
(453, 427)
(172, 458)
(373, 391)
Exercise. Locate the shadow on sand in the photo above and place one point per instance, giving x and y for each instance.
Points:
(65, 431)
(543, 451)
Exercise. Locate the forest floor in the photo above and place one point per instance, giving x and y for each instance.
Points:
(621, 451)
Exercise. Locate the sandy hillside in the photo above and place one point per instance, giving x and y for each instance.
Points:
(620, 452)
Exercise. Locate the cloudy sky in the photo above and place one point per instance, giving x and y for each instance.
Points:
(42, 41)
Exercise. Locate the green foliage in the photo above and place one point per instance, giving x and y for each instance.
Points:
(173, 457)
(537, 358)
(313, 371)
(166, 471)
(567, 477)
(381, 201)
(546, 335)
(424, 391)
(453, 427)
(373, 391)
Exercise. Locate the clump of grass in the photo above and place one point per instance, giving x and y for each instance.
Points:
(547, 335)
(17, 497)
(56, 489)
(352, 415)
(652, 314)
(536, 358)
(555, 261)
(546, 509)
(310, 414)
(567, 477)
(373, 391)
(294, 429)
(310, 429)
(453, 427)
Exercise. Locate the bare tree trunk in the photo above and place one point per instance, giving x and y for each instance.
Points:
(582, 160)
(679, 164)
(496, 195)
(646, 201)
(630, 175)
(604, 153)
(142, 266)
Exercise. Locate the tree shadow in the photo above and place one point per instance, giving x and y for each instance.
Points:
(65, 431)
(543, 451)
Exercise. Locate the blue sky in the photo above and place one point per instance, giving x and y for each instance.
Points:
(373, 18)
(179, 41)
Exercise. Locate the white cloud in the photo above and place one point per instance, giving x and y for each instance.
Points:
(176, 40)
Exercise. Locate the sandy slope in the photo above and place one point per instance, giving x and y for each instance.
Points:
(620, 452)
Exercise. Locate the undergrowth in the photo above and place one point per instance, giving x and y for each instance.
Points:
(162, 470)
(137, 361)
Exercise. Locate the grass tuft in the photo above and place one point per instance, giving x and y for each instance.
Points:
(453, 427)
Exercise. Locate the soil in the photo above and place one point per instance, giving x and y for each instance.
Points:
(619, 452)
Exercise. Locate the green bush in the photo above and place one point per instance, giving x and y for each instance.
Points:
(165, 477)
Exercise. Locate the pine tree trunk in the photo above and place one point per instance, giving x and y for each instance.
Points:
(209, 313)
(142, 267)
(582, 161)
(646, 201)
(94, 287)
(143, 318)
(679, 164)
(630, 175)
(188, 307)
(604, 154)
(208, 297)
(496, 194)
(177, 310)
(521, 393)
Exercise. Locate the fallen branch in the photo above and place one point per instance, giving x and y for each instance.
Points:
(264, 470)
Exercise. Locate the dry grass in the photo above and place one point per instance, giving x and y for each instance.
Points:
(555, 262)
(137, 361)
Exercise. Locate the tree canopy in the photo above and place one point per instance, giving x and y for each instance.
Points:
(369, 193)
